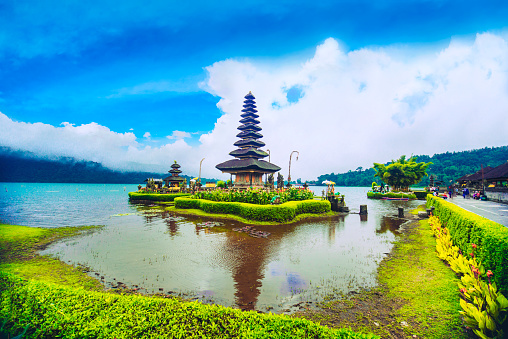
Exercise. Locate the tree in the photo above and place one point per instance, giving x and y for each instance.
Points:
(402, 173)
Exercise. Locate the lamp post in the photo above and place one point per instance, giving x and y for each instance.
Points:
(266, 174)
(289, 175)
(199, 176)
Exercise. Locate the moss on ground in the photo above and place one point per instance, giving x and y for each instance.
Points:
(417, 296)
(18, 255)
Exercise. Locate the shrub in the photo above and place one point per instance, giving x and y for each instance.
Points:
(54, 311)
(483, 307)
(278, 213)
(255, 196)
(379, 195)
(156, 196)
(467, 228)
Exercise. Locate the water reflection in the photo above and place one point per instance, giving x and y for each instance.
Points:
(204, 258)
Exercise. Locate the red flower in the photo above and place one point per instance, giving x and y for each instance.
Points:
(474, 245)
(489, 273)
(471, 254)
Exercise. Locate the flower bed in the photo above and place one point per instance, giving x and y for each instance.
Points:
(379, 195)
(279, 213)
(254, 196)
(467, 228)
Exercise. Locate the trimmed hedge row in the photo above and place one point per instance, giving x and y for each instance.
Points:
(467, 228)
(421, 195)
(379, 195)
(156, 196)
(278, 213)
(55, 311)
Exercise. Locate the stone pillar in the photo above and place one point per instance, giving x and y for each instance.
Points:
(401, 212)
(363, 209)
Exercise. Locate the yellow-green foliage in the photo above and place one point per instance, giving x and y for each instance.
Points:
(156, 196)
(379, 195)
(55, 311)
(483, 307)
(279, 213)
(18, 246)
(467, 228)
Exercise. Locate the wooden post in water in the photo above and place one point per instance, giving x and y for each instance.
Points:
(363, 209)
(401, 212)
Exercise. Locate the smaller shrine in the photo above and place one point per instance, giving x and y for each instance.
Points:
(174, 180)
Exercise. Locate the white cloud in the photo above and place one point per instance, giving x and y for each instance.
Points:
(147, 135)
(91, 142)
(367, 105)
(356, 107)
(178, 135)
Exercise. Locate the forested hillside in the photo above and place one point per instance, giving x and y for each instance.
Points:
(17, 167)
(445, 167)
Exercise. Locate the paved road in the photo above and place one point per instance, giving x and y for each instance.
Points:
(491, 210)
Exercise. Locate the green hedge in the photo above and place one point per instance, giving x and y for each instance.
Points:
(467, 228)
(156, 196)
(421, 195)
(379, 195)
(278, 213)
(54, 311)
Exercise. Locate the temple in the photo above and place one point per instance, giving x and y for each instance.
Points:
(247, 167)
(174, 179)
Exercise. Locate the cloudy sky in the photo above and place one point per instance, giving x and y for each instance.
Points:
(135, 85)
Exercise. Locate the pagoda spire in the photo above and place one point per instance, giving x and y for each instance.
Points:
(248, 166)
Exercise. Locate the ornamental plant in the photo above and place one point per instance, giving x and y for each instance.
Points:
(256, 196)
(484, 308)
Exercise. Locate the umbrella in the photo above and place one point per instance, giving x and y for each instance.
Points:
(326, 182)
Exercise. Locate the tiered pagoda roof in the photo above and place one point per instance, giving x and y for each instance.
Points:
(175, 173)
(248, 153)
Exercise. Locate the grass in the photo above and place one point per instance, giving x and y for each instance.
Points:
(18, 255)
(201, 213)
(417, 294)
(47, 299)
(426, 286)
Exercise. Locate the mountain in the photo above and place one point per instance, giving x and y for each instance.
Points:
(22, 167)
(445, 167)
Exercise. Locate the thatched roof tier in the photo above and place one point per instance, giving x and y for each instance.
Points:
(249, 164)
(249, 110)
(249, 127)
(249, 135)
(498, 173)
(249, 115)
(249, 96)
(175, 171)
(249, 152)
(249, 120)
(249, 101)
(175, 165)
(174, 178)
(249, 143)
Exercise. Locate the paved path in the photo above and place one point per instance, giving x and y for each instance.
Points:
(491, 210)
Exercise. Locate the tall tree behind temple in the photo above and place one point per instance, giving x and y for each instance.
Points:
(445, 167)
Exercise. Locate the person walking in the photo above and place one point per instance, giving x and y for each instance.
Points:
(464, 193)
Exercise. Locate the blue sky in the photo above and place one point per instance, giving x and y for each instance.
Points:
(145, 67)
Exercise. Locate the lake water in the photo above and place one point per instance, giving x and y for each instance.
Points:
(146, 247)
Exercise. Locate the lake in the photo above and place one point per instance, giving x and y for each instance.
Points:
(143, 246)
